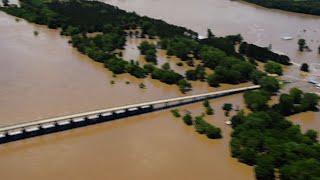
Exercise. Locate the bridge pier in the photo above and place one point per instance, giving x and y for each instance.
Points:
(14, 135)
(106, 116)
(93, 119)
(146, 108)
(31, 131)
(48, 127)
(3, 137)
(120, 114)
(133, 111)
(78, 122)
(64, 124)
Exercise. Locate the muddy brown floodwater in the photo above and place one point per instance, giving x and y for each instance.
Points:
(42, 76)
(151, 146)
(256, 24)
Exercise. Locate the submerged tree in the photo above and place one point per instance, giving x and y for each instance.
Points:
(302, 44)
(304, 67)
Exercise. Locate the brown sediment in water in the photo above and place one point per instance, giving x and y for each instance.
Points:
(307, 120)
(257, 25)
(150, 146)
(43, 76)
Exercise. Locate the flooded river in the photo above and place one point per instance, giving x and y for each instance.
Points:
(151, 146)
(42, 76)
(256, 24)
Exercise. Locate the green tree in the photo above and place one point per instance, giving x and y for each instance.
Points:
(184, 86)
(309, 102)
(187, 119)
(166, 66)
(302, 44)
(273, 68)
(248, 156)
(313, 135)
(209, 33)
(296, 94)
(256, 76)
(304, 67)
(213, 80)
(213, 132)
(227, 107)
(175, 113)
(256, 100)
(238, 119)
(264, 168)
(286, 104)
(301, 170)
(270, 84)
(206, 103)
(5, 2)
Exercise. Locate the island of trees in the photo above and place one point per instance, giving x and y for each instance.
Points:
(300, 6)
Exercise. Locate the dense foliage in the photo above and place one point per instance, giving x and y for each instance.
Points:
(209, 109)
(296, 101)
(181, 47)
(119, 66)
(266, 139)
(256, 100)
(196, 74)
(175, 113)
(273, 68)
(262, 54)
(149, 50)
(209, 130)
(187, 119)
(300, 6)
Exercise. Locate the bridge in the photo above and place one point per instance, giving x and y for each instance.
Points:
(40, 127)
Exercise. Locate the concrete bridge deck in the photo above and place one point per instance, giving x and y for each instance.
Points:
(45, 126)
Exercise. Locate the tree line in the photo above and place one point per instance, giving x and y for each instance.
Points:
(305, 6)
